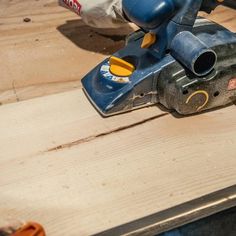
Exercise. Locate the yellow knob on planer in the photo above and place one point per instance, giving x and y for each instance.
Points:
(120, 67)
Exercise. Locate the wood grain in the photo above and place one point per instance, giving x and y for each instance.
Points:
(52, 52)
(80, 174)
(65, 166)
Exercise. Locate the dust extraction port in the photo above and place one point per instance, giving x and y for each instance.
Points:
(190, 51)
(205, 63)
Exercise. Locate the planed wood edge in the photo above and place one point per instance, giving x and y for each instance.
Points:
(40, 90)
(177, 216)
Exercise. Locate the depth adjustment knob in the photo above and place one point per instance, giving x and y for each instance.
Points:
(120, 67)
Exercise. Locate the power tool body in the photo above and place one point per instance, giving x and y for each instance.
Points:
(184, 62)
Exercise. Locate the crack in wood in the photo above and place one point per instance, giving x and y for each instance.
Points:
(93, 137)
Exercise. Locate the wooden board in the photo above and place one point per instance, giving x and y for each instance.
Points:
(53, 51)
(44, 55)
(63, 165)
(80, 174)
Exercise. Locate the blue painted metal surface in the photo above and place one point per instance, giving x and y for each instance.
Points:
(192, 53)
(188, 51)
(166, 18)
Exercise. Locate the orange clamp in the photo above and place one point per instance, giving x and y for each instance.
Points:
(30, 229)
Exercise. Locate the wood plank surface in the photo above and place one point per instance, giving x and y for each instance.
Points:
(43, 56)
(80, 174)
(53, 51)
(76, 173)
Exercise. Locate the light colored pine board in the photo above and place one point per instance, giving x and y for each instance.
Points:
(63, 165)
(79, 174)
(55, 50)
(38, 90)
(58, 119)
(223, 15)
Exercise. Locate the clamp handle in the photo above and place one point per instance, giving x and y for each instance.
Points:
(30, 229)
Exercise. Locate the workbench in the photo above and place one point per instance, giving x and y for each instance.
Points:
(76, 173)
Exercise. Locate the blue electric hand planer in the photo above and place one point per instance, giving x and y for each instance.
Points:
(186, 63)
